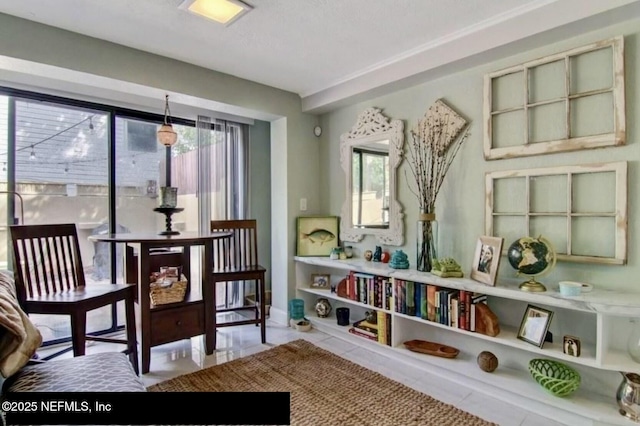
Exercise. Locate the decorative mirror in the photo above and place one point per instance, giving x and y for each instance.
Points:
(370, 154)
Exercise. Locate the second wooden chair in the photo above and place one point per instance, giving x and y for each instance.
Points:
(236, 259)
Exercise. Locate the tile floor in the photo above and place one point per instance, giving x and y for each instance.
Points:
(185, 356)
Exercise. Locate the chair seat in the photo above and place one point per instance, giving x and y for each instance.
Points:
(93, 294)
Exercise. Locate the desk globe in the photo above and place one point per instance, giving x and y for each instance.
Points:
(532, 257)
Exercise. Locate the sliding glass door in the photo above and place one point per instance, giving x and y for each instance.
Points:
(54, 162)
(101, 167)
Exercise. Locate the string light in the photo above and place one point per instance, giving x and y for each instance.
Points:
(32, 156)
(4, 167)
(91, 127)
(66, 168)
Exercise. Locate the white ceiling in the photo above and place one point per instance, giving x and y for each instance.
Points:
(327, 51)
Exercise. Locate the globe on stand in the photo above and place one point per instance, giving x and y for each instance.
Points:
(532, 257)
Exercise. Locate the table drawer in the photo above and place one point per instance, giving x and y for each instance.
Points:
(169, 325)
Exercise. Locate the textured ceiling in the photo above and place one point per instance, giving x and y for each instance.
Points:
(303, 46)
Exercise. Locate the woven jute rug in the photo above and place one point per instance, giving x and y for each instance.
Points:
(325, 389)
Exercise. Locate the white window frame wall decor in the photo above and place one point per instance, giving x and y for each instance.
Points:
(574, 197)
(525, 103)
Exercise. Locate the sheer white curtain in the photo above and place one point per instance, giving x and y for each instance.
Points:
(223, 184)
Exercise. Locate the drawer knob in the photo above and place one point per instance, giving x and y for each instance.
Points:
(178, 322)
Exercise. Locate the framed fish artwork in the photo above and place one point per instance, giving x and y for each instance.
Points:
(317, 235)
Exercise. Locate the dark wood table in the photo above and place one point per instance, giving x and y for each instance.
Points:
(174, 321)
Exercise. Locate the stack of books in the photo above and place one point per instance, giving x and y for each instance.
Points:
(366, 329)
(378, 332)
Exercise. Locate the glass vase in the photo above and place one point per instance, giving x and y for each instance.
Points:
(426, 239)
(633, 341)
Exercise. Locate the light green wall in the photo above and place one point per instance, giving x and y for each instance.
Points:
(260, 189)
(460, 204)
(293, 148)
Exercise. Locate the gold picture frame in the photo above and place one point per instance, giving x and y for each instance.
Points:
(486, 260)
(535, 324)
(317, 235)
(320, 281)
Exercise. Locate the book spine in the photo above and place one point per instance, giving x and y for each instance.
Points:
(431, 302)
(411, 307)
(382, 327)
(361, 325)
(417, 290)
(362, 334)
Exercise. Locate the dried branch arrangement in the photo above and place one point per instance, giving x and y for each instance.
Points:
(435, 143)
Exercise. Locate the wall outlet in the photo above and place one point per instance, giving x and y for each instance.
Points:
(303, 204)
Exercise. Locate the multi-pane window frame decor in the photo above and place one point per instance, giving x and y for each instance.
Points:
(516, 94)
(558, 203)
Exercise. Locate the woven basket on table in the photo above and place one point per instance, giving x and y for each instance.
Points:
(173, 293)
(556, 377)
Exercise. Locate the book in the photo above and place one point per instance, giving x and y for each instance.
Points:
(431, 302)
(411, 302)
(366, 325)
(363, 333)
(382, 327)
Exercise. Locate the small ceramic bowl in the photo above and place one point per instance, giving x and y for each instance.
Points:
(570, 288)
(303, 325)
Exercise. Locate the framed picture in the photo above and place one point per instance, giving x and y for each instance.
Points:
(535, 325)
(316, 235)
(320, 280)
(487, 259)
(571, 345)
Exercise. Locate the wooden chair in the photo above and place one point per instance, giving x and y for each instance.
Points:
(236, 259)
(50, 279)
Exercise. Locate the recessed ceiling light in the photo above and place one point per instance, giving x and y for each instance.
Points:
(222, 11)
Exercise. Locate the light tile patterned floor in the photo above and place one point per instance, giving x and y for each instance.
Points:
(185, 356)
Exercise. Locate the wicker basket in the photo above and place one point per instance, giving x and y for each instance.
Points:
(557, 378)
(173, 293)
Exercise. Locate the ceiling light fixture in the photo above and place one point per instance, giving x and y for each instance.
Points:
(223, 11)
(166, 135)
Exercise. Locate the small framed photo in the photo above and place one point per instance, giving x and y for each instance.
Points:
(316, 235)
(535, 324)
(320, 280)
(571, 345)
(487, 260)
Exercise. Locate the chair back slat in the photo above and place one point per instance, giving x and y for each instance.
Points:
(241, 249)
(46, 259)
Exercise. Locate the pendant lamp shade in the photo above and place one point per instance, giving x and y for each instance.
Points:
(166, 135)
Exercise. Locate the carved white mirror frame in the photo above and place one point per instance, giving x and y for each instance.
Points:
(373, 126)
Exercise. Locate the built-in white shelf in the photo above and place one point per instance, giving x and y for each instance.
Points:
(598, 312)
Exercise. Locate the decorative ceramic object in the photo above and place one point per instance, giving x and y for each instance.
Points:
(447, 267)
(386, 257)
(371, 316)
(368, 254)
(399, 260)
(335, 253)
(377, 255)
(323, 307)
(487, 361)
(555, 377)
(348, 250)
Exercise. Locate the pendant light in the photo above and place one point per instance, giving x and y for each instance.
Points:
(166, 135)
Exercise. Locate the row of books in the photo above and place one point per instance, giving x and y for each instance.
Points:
(373, 290)
(378, 332)
(452, 307)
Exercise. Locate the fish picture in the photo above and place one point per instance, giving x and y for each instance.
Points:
(317, 235)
